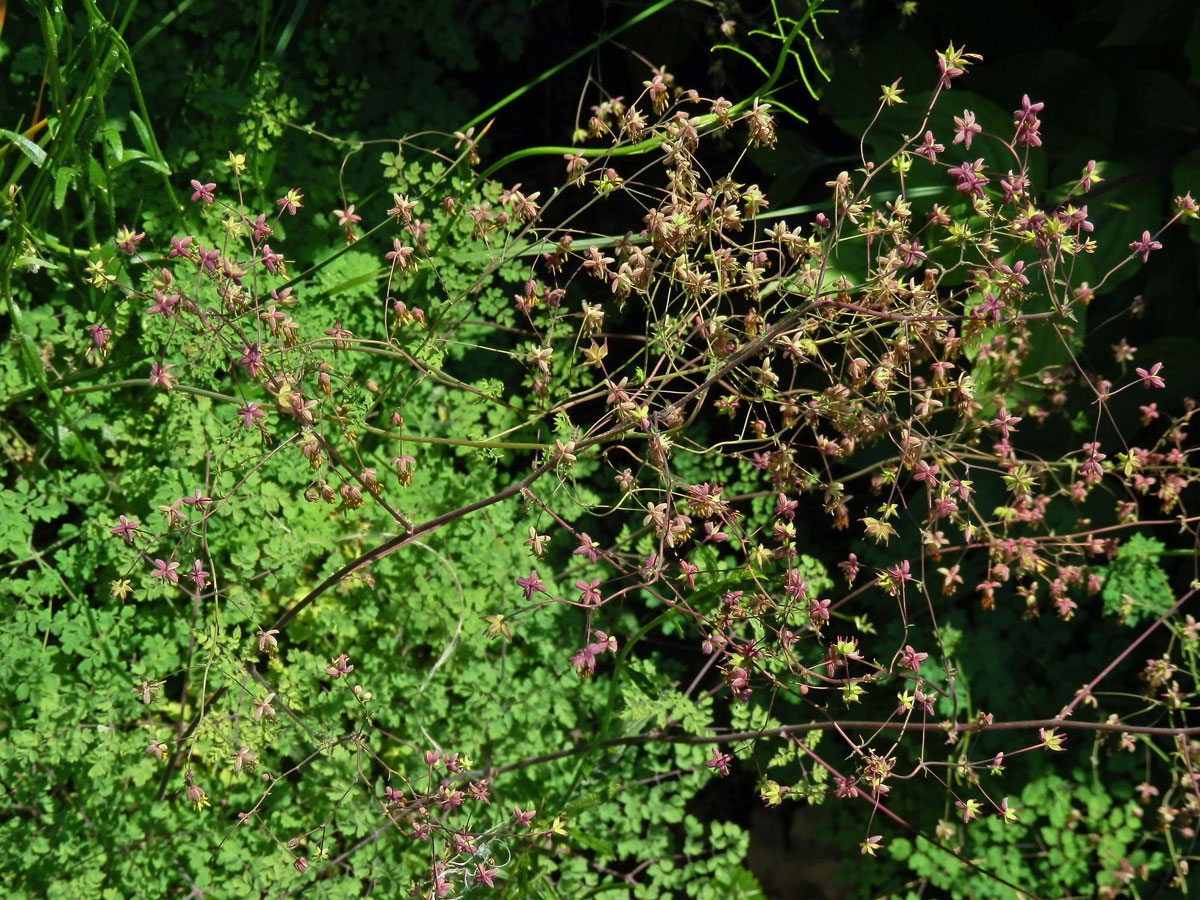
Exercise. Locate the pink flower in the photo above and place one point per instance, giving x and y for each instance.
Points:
(965, 129)
(160, 377)
(163, 306)
(266, 640)
(1091, 174)
(250, 414)
(589, 594)
(1143, 247)
(207, 259)
(347, 216)
(911, 659)
(260, 228)
(1027, 124)
(531, 584)
(179, 247)
(197, 500)
(720, 761)
(484, 875)
(521, 817)
(263, 707)
(198, 575)
(126, 529)
(166, 571)
(400, 255)
(587, 547)
(585, 660)
(1151, 378)
(970, 177)
(100, 335)
(203, 192)
(929, 148)
(271, 259)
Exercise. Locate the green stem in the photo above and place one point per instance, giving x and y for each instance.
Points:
(554, 70)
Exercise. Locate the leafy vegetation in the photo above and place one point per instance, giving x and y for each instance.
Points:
(376, 523)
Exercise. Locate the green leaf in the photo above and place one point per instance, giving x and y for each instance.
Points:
(154, 164)
(63, 177)
(36, 154)
(115, 146)
(143, 132)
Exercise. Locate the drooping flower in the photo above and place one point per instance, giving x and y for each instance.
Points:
(126, 529)
(160, 376)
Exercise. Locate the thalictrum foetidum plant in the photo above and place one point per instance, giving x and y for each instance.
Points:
(641, 409)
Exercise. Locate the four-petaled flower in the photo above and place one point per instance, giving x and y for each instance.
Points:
(179, 247)
(911, 659)
(263, 707)
(587, 547)
(126, 529)
(537, 542)
(347, 216)
(402, 208)
(250, 414)
(339, 666)
(160, 376)
(970, 178)
(720, 761)
(147, 690)
(1143, 247)
(1150, 377)
(207, 259)
(585, 660)
(163, 305)
(589, 593)
(244, 759)
(522, 817)
(531, 584)
(259, 229)
(197, 798)
(1027, 124)
(266, 640)
(198, 575)
(197, 500)
(165, 570)
(929, 148)
(484, 875)
(818, 612)
(203, 192)
(965, 129)
(100, 335)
